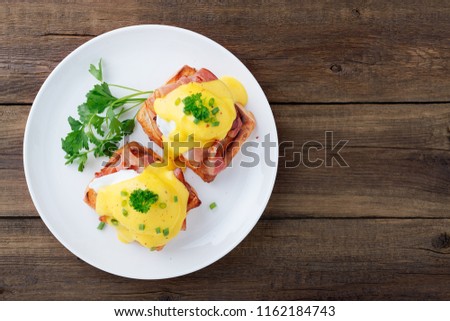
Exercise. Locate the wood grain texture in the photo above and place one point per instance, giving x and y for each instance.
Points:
(386, 144)
(305, 259)
(375, 73)
(300, 51)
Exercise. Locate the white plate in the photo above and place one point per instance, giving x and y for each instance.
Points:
(143, 57)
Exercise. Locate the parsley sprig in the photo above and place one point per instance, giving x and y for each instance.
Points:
(142, 199)
(100, 127)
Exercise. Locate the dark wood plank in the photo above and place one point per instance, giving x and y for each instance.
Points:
(398, 158)
(14, 196)
(300, 51)
(305, 259)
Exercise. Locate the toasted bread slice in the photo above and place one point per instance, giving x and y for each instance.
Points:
(212, 159)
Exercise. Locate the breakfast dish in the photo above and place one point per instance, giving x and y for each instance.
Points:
(199, 120)
(240, 193)
(145, 199)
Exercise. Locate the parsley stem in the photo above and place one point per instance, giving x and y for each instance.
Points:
(123, 111)
(125, 87)
(130, 97)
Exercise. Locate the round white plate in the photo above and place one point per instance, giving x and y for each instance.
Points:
(144, 57)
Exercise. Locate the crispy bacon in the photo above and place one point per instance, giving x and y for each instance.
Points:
(205, 162)
(131, 156)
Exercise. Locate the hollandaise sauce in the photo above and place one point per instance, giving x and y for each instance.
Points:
(149, 208)
(197, 114)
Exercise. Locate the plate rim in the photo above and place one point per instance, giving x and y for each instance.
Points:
(27, 162)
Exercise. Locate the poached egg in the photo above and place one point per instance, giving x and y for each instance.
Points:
(177, 125)
(149, 207)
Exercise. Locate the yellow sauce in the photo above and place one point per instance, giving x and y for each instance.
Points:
(164, 219)
(223, 92)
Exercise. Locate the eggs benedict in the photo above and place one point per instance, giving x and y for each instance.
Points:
(199, 120)
(145, 200)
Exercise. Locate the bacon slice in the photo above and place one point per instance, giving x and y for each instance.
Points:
(193, 200)
(205, 162)
(131, 156)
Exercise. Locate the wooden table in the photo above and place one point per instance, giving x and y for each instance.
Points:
(375, 73)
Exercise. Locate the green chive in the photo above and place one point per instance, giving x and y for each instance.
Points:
(124, 193)
(211, 102)
(175, 199)
(124, 212)
(158, 230)
(215, 124)
(213, 205)
(153, 249)
(100, 226)
(166, 231)
(114, 221)
(196, 121)
(215, 110)
(162, 205)
(124, 203)
(141, 227)
(178, 101)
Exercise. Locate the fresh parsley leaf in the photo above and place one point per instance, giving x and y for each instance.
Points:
(99, 98)
(127, 126)
(97, 72)
(73, 142)
(82, 162)
(97, 122)
(84, 113)
(108, 148)
(142, 199)
(74, 124)
(115, 126)
(93, 139)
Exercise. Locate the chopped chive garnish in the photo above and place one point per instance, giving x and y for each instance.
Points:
(195, 105)
(215, 110)
(124, 203)
(141, 227)
(153, 248)
(124, 212)
(213, 205)
(162, 205)
(175, 199)
(178, 101)
(215, 124)
(101, 225)
(211, 102)
(166, 231)
(114, 221)
(158, 230)
(196, 121)
(124, 193)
